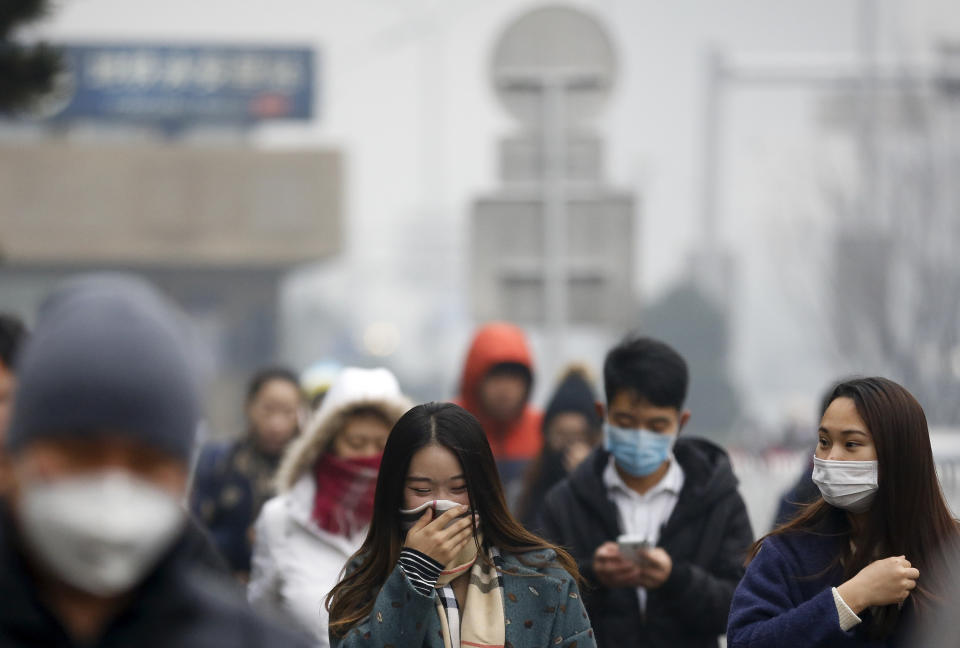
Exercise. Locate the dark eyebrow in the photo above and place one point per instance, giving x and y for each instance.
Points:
(849, 432)
(844, 432)
(430, 481)
(658, 420)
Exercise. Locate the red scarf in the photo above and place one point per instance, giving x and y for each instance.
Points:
(343, 503)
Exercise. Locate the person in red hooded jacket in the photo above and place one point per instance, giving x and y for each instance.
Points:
(495, 388)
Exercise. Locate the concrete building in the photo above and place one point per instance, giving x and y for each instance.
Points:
(216, 228)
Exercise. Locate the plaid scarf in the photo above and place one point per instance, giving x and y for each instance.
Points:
(483, 621)
(343, 502)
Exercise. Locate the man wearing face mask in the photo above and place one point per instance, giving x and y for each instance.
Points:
(653, 518)
(95, 547)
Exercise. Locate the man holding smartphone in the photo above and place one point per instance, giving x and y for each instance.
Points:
(655, 521)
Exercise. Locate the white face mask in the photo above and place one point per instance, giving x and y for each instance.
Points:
(409, 517)
(100, 532)
(849, 485)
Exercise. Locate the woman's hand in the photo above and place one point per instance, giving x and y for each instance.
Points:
(437, 540)
(882, 582)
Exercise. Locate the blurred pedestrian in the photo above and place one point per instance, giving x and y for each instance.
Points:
(803, 491)
(305, 535)
(794, 499)
(496, 386)
(95, 548)
(233, 479)
(653, 517)
(12, 336)
(315, 381)
(859, 566)
(571, 430)
(469, 576)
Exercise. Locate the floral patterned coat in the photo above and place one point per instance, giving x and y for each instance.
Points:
(542, 606)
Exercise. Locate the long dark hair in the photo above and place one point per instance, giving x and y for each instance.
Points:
(454, 428)
(908, 516)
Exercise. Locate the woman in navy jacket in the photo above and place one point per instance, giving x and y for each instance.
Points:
(860, 565)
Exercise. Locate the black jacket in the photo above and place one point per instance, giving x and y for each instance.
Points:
(231, 482)
(182, 604)
(707, 537)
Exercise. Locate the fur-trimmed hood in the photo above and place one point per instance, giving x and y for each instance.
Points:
(353, 388)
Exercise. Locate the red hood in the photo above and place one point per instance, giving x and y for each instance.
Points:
(493, 344)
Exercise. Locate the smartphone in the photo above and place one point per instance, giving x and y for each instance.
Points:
(409, 517)
(634, 547)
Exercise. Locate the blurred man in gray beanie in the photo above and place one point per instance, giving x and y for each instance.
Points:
(93, 533)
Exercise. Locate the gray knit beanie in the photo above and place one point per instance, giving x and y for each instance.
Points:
(107, 355)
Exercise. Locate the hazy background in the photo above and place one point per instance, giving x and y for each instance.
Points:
(836, 216)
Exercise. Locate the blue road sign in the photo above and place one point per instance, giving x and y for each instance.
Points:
(183, 84)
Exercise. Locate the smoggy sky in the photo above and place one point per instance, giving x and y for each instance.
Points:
(405, 95)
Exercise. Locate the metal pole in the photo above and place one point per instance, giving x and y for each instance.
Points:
(867, 109)
(708, 264)
(554, 218)
(712, 120)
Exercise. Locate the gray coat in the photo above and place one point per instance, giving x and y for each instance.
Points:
(542, 606)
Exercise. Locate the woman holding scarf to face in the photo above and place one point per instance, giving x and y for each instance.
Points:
(860, 565)
(326, 482)
(444, 564)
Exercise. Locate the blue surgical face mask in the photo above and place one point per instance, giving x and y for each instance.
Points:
(639, 452)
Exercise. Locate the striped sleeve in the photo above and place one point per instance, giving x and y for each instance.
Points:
(420, 569)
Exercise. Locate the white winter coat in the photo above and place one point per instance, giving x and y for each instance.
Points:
(295, 562)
